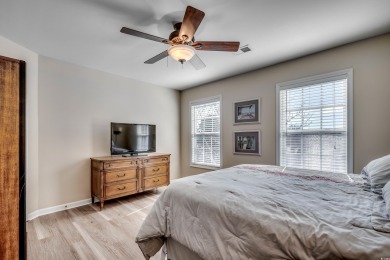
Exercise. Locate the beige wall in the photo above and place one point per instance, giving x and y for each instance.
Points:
(13, 50)
(370, 60)
(76, 106)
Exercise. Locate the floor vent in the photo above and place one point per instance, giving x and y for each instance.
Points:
(243, 49)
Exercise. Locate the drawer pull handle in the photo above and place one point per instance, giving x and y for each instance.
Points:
(123, 175)
(108, 165)
(156, 170)
(157, 180)
(124, 187)
(164, 159)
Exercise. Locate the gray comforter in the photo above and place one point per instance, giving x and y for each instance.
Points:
(269, 212)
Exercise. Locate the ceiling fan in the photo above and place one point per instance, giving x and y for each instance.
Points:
(182, 41)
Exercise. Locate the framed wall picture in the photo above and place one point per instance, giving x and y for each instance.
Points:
(247, 111)
(247, 142)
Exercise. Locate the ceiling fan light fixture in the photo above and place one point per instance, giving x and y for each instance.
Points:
(181, 52)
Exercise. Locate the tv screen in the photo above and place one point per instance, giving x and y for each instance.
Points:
(130, 139)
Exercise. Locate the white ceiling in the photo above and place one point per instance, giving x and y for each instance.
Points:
(86, 32)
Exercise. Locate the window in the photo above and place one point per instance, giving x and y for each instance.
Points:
(205, 132)
(314, 122)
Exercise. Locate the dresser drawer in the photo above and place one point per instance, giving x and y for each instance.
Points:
(161, 159)
(119, 164)
(156, 181)
(120, 175)
(112, 190)
(155, 170)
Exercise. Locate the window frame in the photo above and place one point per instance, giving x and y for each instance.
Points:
(317, 79)
(199, 102)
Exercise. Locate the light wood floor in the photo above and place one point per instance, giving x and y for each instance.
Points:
(88, 233)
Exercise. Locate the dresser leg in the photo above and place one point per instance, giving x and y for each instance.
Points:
(101, 205)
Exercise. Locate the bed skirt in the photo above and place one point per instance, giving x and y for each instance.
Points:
(176, 251)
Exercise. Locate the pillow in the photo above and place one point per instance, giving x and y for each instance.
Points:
(377, 173)
(386, 196)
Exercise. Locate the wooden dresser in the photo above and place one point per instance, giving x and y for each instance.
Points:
(117, 176)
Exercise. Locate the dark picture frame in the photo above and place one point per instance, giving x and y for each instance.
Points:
(247, 111)
(247, 142)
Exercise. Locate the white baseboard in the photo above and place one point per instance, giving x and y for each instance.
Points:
(45, 211)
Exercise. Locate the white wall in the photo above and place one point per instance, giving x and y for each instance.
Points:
(13, 50)
(370, 60)
(76, 106)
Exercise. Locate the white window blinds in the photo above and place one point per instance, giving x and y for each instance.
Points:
(205, 132)
(314, 124)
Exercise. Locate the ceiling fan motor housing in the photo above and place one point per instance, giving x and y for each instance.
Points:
(174, 36)
(176, 39)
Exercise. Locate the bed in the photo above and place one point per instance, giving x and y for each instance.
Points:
(267, 212)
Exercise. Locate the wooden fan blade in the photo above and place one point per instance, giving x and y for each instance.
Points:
(197, 63)
(216, 46)
(142, 35)
(191, 21)
(157, 57)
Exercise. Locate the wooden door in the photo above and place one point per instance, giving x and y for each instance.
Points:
(11, 154)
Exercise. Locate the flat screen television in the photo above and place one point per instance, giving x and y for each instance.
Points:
(132, 139)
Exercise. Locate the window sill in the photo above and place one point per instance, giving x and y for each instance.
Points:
(205, 167)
